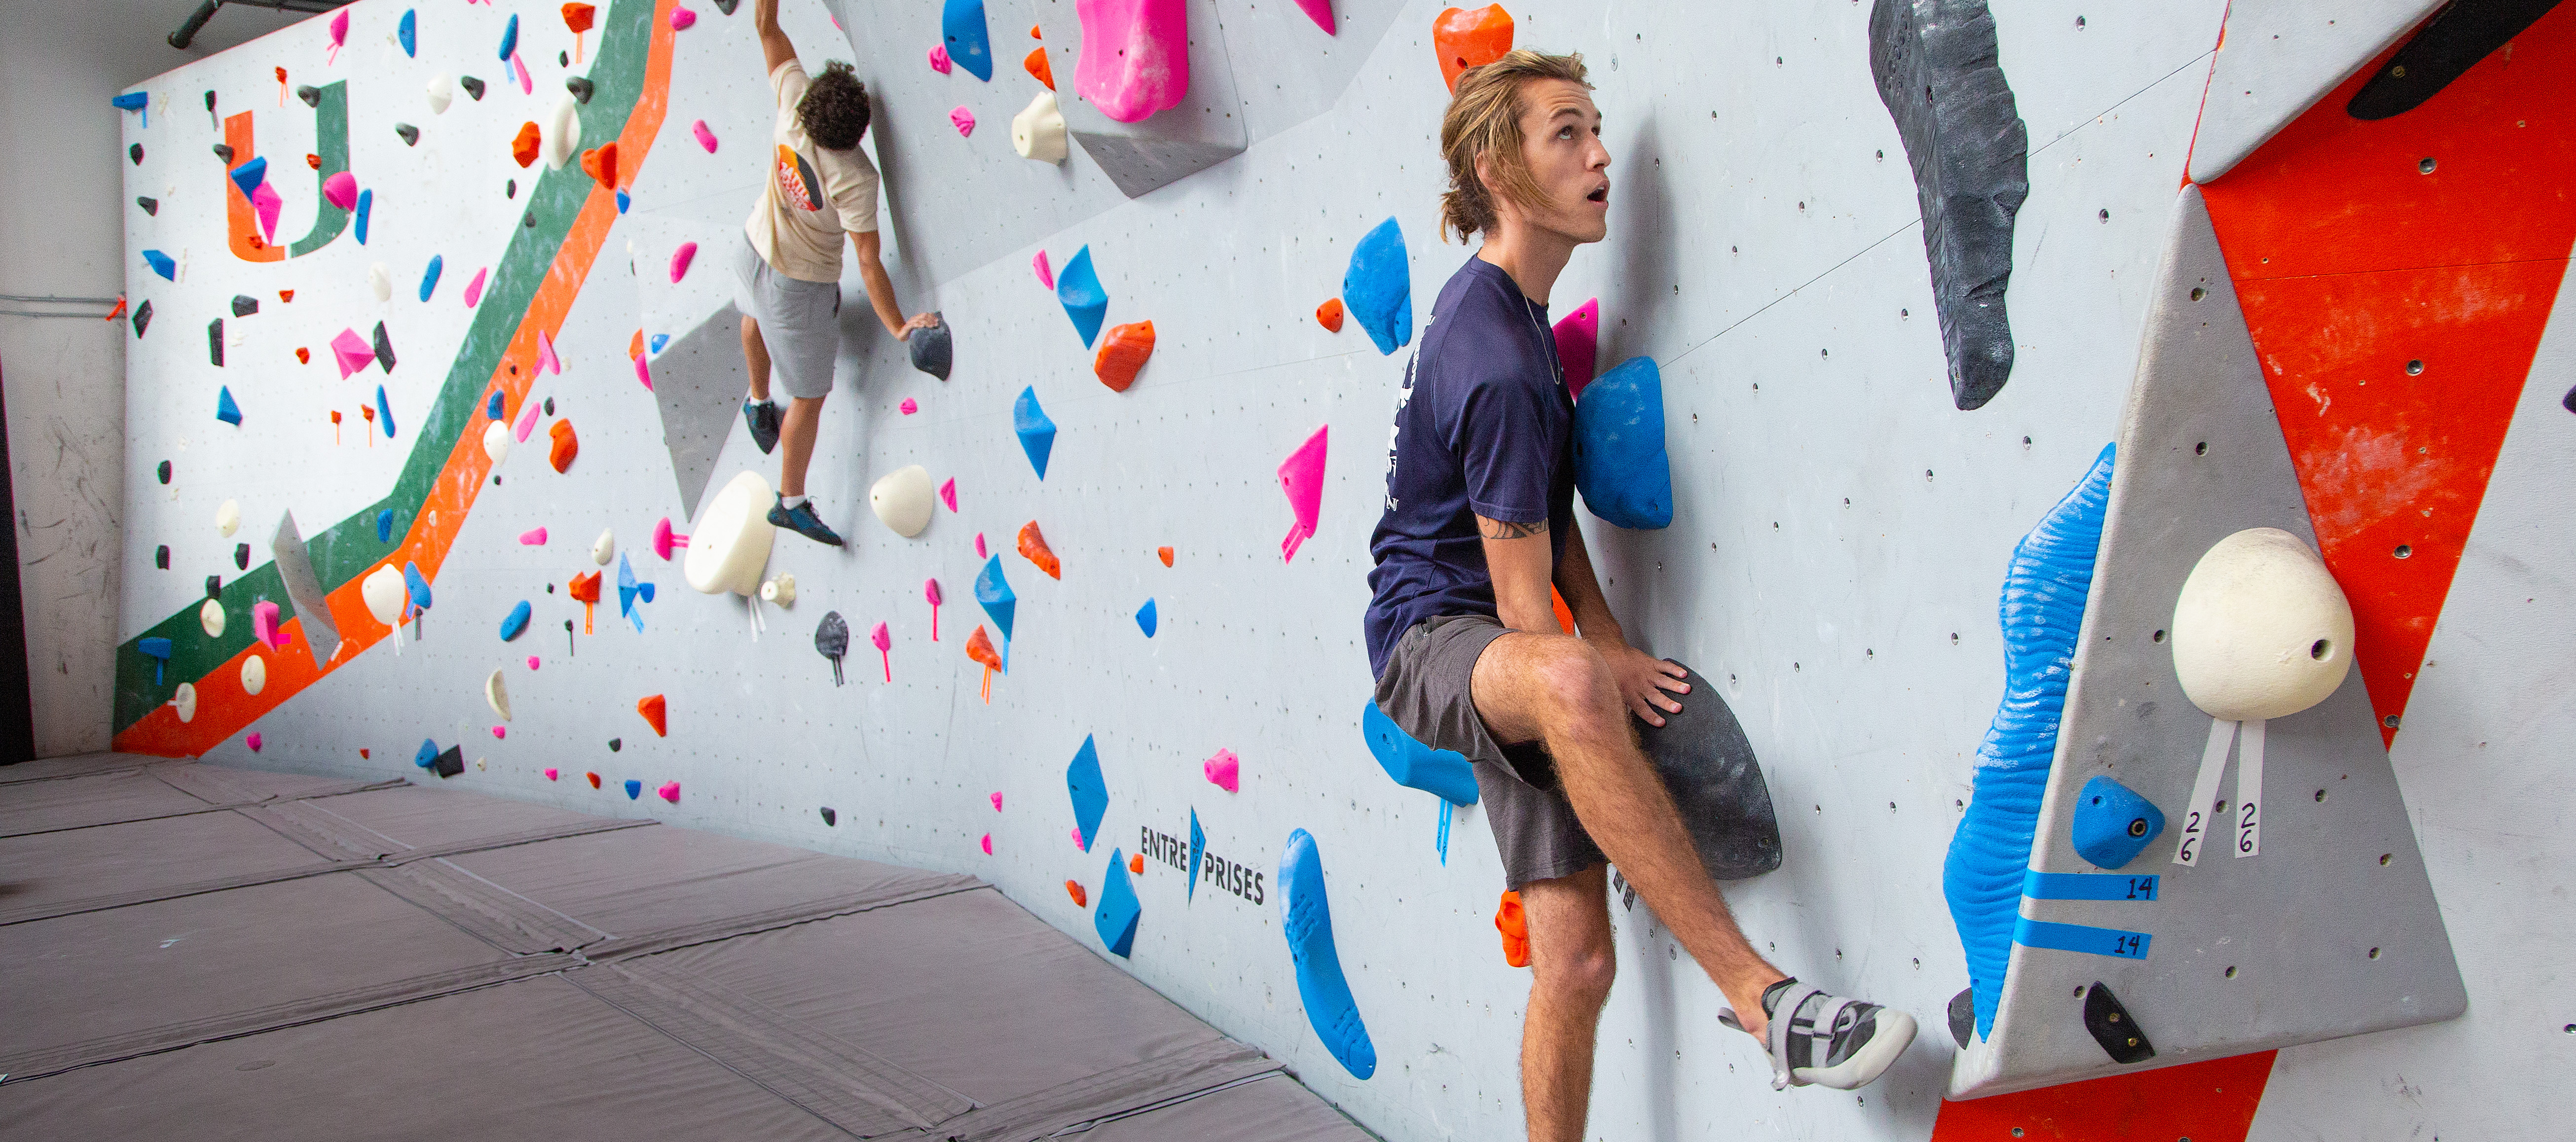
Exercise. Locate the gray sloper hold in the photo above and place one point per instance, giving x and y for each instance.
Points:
(832, 641)
(581, 88)
(1937, 71)
(931, 349)
(304, 591)
(215, 340)
(151, 206)
(410, 134)
(1709, 768)
(244, 305)
(222, 151)
(472, 86)
(142, 316)
(312, 96)
(384, 348)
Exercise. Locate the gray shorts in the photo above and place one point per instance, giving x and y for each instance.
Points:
(1426, 690)
(800, 322)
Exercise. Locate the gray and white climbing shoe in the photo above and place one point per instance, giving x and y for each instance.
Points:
(802, 520)
(1827, 1040)
(763, 418)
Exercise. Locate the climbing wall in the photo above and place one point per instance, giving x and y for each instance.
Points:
(1848, 486)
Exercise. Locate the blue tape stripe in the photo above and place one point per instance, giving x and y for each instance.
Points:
(2039, 885)
(2081, 938)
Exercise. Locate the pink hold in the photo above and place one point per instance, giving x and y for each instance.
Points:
(546, 359)
(681, 257)
(644, 373)
(908, 407)
(1578, 340)
(474, 289)
(533, 537)
(881, 638)
(352, 352)
(939, 58)
(706, 138)
(550, 774)
(1135, 56)
(340, 27)
(527, 423)
(342, 189)
(268, 204)
(997, 800)
(1320, 11)
(532, 662)
(253, 742)
(1077, 837)
(1222, 770)
(682, 19)
(670, 791)
(527, 84)
(930, 591)
(964, 119)
(263, 624)
(664, 539)
(1046, 273)
(979, 546)
(1301, 475)
(988, 844)
(500, 731)
(948, 493)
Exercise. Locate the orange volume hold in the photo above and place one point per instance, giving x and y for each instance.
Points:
(578, 17)
(1122, 353)
(655, 713)
(1081, 899)
(1466, 39)
(524, 148)
(1329, 314)
(1033, 544)
(1038, 69)
(1515, 930)
(565, 447)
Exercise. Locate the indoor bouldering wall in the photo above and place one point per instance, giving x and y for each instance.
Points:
(1096, 637)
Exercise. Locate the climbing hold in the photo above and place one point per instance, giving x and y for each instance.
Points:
(706, 138)
(1329, 314)
(156, 649)
(581, 89)
(1306, 919)
(341, 189)
(1135, 56)
(565, 446)
(908, 407)
(680, 259)
(496, 693)
(533, 537)
(515, 622)
(884, 642)
(382, 590)
(2113, 824)
(948, 493)
(142, 317)
(994, 592)
(682, 20)
(733, 538)
(1321, 12)
(1037, 133)
(1036, 432)
(600, 162)
(1136, 864)
(594, 778)
(249, 175)
(1165, 554)
(263, 625)
(211, 617)
(253, 740)
(1122, 353)
(1033, 547)
(1146, 620)
(493, 407)
(380, 281)
(670, 790)
(228, 517)
(429, 277)
(1619, 459)
(829, 817)
(161, 264)
(384, 408)
(902, 500)
(151, 206)
(1443, 773)
(664, 539)
(510, 37)
(1223, 770)
(932, 350)
(547, 363)
(132, 100)
(562, 131)
(939, 58)
(634, 788)
(311, 95)
(832, 640)
(135, 153)
(1035, 63)
(215, 341)
(988, 844)
(1465, 39)
(1301, 475)
(997, 800)
(385, 526)
(527, 145)
(241, 556)
(410, 134)
(472, 86)
(1115, 919)
(161, 557)
(1378, 287)
(1046, 273)
(961, 31)
(1078, 289)
(979, 647)
(778, 592)
(352, 352)
(2261, 630)
(474, 289)
(417, 584)
(1090, 793)
(225, 410)
(1514, 926)
(244, 305)
(962, 119)
(656, 714)
(441, 92)
(1578, 338)
(628, 591)
(1081, 899)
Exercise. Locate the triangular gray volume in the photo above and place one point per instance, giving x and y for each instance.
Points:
(699, 381)
(2333, 929)
(304, 589)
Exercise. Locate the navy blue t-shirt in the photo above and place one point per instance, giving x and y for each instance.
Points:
(1483, 426)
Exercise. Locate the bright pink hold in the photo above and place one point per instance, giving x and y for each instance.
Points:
(997, 801)
(533, 537)
(1302, 477)
(268, 204)
(546, 359)
(352, 352)
(342, 189)
(706, 138)
(532, 662)
(1077, 836)
(670, 792)
(500, 731)
(1046, 273)
(527, 83)
(1321, 12)
(253, 742)
(988, 844)
(339, 36)
(550, 775)
(979, 546)
(681, 257)
(664, 539)
(1135, 56)
(527, 422)
(682, 19)
(263, 624)
(1222, 770)
(908, 407)
(1578, 340)
(474, 289)
(948, 493)
(644, 372)
(964, 119)
(939, 58)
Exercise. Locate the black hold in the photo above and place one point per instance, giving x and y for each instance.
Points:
(563, 59)
(451, 762)
(241, 556)
(550, 406)
(1963, 1016)
(215, 341)
(568, 643)
(2451, 43)
(384, 348)
(496, 481)
(529, 220)
(161, 557)
(830, 817)
(616, 744)
(135, 153)
(210, 101)
(224, 152)
(214, 586)
(581, 89)
(726, 6)
(932, 350)
(511, 191)
(244, 305)
(832, 640)
(410, 134)
(2569, 403)
(550, 589)
(1708, 767)
(312, 96)
(2114, 1028)
(165, 471)
(1937, 71)
(472, 86)
(142, 316)
(151, 206)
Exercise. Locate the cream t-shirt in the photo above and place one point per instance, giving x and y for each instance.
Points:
(812, 195)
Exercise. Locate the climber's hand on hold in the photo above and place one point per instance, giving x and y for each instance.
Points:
(919, 321)
(1644, 680)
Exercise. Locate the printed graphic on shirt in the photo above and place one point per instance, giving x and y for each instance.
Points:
(797, 184)
(1403, 397)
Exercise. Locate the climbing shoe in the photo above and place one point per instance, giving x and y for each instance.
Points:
(802, 520)
(763, 418)
(1827, 1040)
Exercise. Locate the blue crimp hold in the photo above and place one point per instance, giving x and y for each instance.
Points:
(385, 526)
(429, 277)
(249, 175)
(2113, 824)
(1078, 289)
(1378, 287)
(1307, 920)
(1116, 915)
(961, 23)
(408, 33)
(417, 584)
(492, 408)
(225, 410)
(514, 622)
(1089, 791)
(994, 592)
(1036, 432)
(634, 789)
(1198, 848)
(131, 100)
(2042, 611)
(510, 37)
(366, 210)
(659, 340)
(1444, 773)
(156, 649)
(1619, 459)
(161, 264)
(384, 412)
(1146, 619)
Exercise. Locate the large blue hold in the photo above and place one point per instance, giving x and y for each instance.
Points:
(962, 24)
(2113, 824)
(429, 277)
(2042, 614)
(1307, 920)
(1090, 792)
(161, 264)
(1115, 917)
(1146, 619)
(634, 789)
(1036, 432)
(994, 591)
(1198, 848)
(225, 410)
(510, 37)
(408, 32)
(428, 755)
(514, 622)
(249, 175)
(1378, 287)
(132, 100)
(1619, 459)
(417, 584)
(1443, 773)
(1085, 301)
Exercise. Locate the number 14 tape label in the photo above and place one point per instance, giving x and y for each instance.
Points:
(2206, 816)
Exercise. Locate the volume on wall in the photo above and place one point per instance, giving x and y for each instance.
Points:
(1840, 522)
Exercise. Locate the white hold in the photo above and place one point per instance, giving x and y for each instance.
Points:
(1037, 132)
(604, 548)
(186, 700)
(560, 135)
(780, 591)
(496, 442)
(381, 281)
(442, 91)
(384, 592)
(498, 694)
(903, 500)
(254, 674)
(2261, 630)
(211, 617)
(228, 518)
(731, 543)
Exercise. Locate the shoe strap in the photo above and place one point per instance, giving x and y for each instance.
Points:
(1778, 1032)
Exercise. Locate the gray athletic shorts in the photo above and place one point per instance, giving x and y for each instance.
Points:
(800, 322)
(1427, 690)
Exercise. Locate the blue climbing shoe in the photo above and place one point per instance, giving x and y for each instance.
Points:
(1307, 921)
(802, 520)
(763, 418)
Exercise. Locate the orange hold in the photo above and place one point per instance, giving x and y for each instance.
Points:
(1122, 353)
(525, 147)
(655, 713)
(1136, 865)
(1081, 899)
(1033, 545)
(565, 447)
(1038, 69)
(635, 345)
(600, 162)
(578, 16)
(303, 356)
(1166, 553)
(313, 160)
(585, 591)
(362, 753)
(1465, 39)
(1515, 929)
(594, 779)
(979, 646)
(1034, 34)
(1329, 314)
(286, 295)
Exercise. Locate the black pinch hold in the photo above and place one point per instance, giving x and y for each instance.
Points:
(223, 151)
(244, 305)
(410, 134)
(2451, 43)
(215, 341)
(1963, 1016)
(161, 557)
(580, 88)
(2569, 403)
(241, 556)
(135, 153)
(451, 762)
(2114, 1028)
(932, 350)
(384, 348)
(472, 86)
(151, 206)
(616, 744)
(312, 96)
(142, 316)
(511, 190)
(165, 471)
(830, 817)
(214, 586)
(1938, 74)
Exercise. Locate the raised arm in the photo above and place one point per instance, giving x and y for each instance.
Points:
(775, 48)
(881, 288)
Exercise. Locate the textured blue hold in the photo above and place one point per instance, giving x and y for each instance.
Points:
(366, 210)
(417, 584)
(1198, 848)
(428, 755)
(153, 647)
(510, 37)
(1115, 917)
(634, 789)
(1090, 792)
(225, 410)
(2042, 613)
(408, 33)
(1307, 920)
(1145, 618)
(994, 591)
(161, 264)
(1444, 773)
(659, 340)
(429, 277)
(2113, 824)
(385, 526)
(492, 407)
(514, 622)
(132, 100)
(1378, 287)
(1619, 460)
(1036, 432)
(384, 413)
(249, 175)
(1078, 289)
(962, 24)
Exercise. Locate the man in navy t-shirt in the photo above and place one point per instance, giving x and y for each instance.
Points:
(1468, 654)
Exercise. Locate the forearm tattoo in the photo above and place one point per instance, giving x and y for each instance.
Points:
(1497, 529)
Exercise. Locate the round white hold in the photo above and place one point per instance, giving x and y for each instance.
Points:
(228, 518)
(384, 592)
(2261, 630)
(211, 617)
(1037, 132)
(561, 133)
(604, 548)
(496, 442)
(381, 280)
(731, 543)
(186, 700)
(903, 500)
(442, 90)
(254, 674)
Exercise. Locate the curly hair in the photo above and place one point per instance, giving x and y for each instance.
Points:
(1485, 116)
(834, 110)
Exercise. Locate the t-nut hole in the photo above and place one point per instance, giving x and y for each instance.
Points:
(2404, 551)
(2079, 991)
(2137, 826)
(2383, 858)
(2321, 796)
(2160, 636)
(2426, 166)
(2374, 953)
(2320, 649)
(2200, 449)
(2198, 293)
(2414, 368)
(2231, 971)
